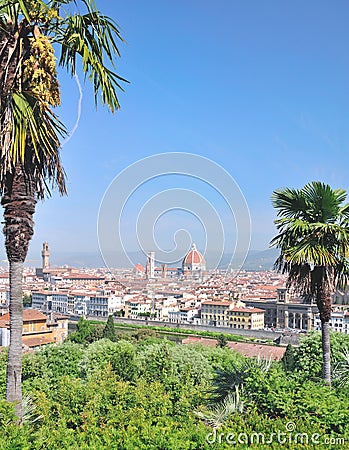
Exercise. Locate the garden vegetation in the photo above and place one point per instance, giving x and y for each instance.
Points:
(136, 391)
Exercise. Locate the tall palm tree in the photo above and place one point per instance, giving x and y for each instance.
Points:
(30, 133)
(313, 239)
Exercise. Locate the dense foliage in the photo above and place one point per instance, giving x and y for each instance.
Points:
(141, 392)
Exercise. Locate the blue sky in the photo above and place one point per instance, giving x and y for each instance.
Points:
(261, 88)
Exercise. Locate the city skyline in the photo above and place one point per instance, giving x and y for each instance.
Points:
(261, 90)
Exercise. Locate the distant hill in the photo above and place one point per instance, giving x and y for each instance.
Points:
(256, 260)
(261, 260)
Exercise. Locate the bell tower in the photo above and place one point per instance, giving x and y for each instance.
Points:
(150, 265)
(45, 256)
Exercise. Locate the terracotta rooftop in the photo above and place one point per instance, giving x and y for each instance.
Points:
(82, 276)
(58, 316)
(35, 341)
(253, 350)
(216, 303)
(247, 310)
(29, 315)
(247, 349)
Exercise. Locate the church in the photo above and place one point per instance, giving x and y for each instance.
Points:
(193, 267)
(194, 264)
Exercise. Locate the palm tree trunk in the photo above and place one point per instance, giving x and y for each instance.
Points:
(323, 301)
(19, 204)
(14, 365)
(326, 353)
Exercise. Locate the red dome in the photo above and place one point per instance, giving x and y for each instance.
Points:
(139, 268)
(193, 257)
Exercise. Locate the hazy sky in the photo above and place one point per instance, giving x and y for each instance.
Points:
(260, 88)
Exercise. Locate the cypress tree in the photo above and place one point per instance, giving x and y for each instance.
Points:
(288, 360)
(109, 329)
(222, 341)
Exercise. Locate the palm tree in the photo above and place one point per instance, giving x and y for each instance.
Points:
(30, 133)
(313, 239)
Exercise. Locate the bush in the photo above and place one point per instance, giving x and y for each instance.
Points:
(308, 356)
(121, 356)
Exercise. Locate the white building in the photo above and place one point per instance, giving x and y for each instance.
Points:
(136, 308)
(4, 279)
(103, 305)
(339, 321)
(42, 300)
(79, 302)
(184, 315)
(59, 302)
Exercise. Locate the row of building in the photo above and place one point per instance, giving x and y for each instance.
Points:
(98, 303)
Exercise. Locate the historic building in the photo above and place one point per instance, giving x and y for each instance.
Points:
(194, 264)
(231, 314)
(193, 267)
(38, 329)
(286, 311)
(246, 318)
(45, 254)
(150, 266)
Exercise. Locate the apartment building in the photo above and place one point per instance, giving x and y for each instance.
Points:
(137, 307)
(216, 312)
(183, 315)
(103, 305)
(246, 318)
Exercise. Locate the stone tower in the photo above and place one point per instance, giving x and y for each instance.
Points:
(45, 256)
(150, 265)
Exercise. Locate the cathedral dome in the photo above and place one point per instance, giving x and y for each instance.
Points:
(194, 257)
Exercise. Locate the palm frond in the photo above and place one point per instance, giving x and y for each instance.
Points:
(93, 37)
(311, 252)
(32, 138)
(18, 8)
(219, 413)
(323, 201)
(341, 273)
(226, 382)
(29, 411)
(30, 132)
(341, 371)
(289, 202)
(299, 277)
